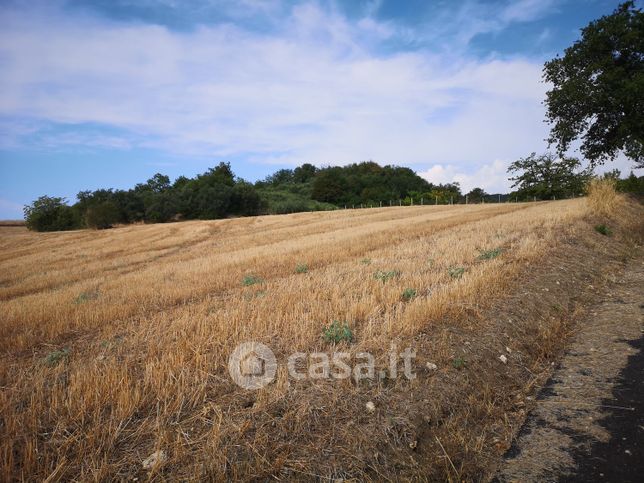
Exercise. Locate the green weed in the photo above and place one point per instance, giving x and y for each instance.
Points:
(337, 332)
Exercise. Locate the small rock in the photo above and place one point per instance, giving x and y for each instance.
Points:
(503, 359)
(156, 458)
(508, 350)
(431, 366)
(413, 444)
(628, 452)
(371, 407)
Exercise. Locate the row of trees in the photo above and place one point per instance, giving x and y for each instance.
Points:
(218, 193)
(365, 183)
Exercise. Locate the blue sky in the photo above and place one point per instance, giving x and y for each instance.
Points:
(106, 93)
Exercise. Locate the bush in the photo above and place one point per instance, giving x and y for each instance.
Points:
(337, 332)
(102, 215)
(50, 214)
(604, 230)
(251, 280)
(55, 357)
(384, 276)
(408, 294)
(456, 272)
(301, 268)
(490, 254)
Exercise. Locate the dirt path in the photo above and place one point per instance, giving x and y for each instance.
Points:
(588, 424)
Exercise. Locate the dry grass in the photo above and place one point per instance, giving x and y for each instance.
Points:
(603, 198)
(148, 315)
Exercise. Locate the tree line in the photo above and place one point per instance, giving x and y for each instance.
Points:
(218, 193)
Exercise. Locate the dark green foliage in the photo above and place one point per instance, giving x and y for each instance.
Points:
(213, 194)
(301, 268)
(245, 199)
(631, 184)
(456, 272)
(604, 230)
(86, 297)
(56, 357)
(368, 184)
(477, 195)
(546, 176)
(409, 294)
(385, 276)
(51, 214)
(102, 215)
(490, 254)
(598, 93)
(459, 363)
(337, 332)
(249, 280)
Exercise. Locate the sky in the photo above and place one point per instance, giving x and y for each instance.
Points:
(106, 93)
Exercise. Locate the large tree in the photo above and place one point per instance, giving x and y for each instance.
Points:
(598, 89)
(546, 176)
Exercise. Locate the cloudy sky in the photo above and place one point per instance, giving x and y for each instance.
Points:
(106, 93)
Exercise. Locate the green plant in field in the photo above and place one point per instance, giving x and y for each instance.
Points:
(456, 272)
(384, 276)
(603, 229)
(366, 261)
(55, 357)
(408, 294)
(337, 332)
(459, 363)
(251, 280)
(301, 268)
(490, 254)
(257, 294)
(85, 297)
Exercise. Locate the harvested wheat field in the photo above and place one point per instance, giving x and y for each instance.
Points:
(115, 343)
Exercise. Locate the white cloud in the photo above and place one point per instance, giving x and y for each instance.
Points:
(492, 177)
(315, 92)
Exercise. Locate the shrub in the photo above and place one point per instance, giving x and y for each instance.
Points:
(55, 357)
(408, 294)
(50, 214)
(86, 297)
(251, 280)
(301, 268)
(366, 261)
(384, 276)
(604, 230)
(459, 363)
(456, 272)
(490, 254)
(337, 332)
(102, 215)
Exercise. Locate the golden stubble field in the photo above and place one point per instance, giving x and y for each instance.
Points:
(115, 343)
